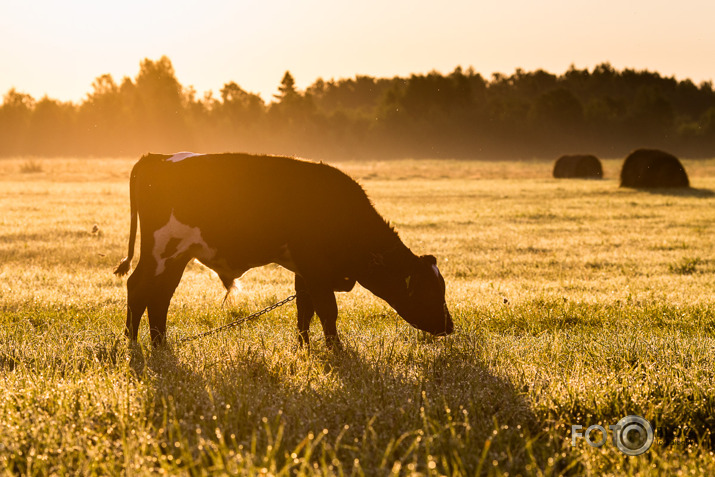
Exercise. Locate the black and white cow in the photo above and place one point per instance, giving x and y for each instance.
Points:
(233, 212)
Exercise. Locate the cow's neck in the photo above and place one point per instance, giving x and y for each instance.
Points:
(388, 245)
(386, 264)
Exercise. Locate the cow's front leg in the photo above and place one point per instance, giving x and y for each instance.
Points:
(304, 305)
(327, 309)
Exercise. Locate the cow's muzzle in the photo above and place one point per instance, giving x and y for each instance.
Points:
(448, 323)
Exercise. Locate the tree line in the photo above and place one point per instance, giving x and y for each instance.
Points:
(459, 115)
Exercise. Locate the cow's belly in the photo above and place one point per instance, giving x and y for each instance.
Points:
(179, 240)
(231, 270)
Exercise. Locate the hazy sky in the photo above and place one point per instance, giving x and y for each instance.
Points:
(58, 47)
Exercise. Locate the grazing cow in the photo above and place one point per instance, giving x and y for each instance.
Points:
(234, 212)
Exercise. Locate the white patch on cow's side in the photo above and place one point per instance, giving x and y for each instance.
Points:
(188, 237)
(180, 156)
(435, 270)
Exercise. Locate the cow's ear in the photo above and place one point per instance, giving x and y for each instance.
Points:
(431, 259)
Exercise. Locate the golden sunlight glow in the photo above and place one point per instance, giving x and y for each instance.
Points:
(58, 48)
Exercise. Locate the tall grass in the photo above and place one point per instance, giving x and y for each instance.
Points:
(576, 303)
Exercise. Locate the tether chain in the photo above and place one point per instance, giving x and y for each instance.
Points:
(239, 321)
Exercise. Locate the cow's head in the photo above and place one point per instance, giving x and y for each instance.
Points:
(425, 307)
(416, 291)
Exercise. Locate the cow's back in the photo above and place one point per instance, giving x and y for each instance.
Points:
(250, 207)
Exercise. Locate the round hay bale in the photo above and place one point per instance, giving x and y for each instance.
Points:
(646, 168)
(580, 166)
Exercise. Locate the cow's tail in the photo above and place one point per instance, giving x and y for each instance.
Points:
(126, 264)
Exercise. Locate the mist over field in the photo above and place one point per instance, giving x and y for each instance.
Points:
(461, 114)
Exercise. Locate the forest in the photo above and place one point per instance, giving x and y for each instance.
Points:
(462, 114)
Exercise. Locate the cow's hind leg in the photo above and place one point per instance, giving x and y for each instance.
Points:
(163, 287)
(138, 292)
(304, 305)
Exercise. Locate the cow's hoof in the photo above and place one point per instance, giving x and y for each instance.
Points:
(131, 335)
(136, 358)
(303, 339)
(158, 342)
(333, 343)
(302, 346)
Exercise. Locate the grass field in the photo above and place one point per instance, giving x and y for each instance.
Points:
(576, 303)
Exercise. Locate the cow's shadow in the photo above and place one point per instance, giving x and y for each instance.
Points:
(447, 402)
